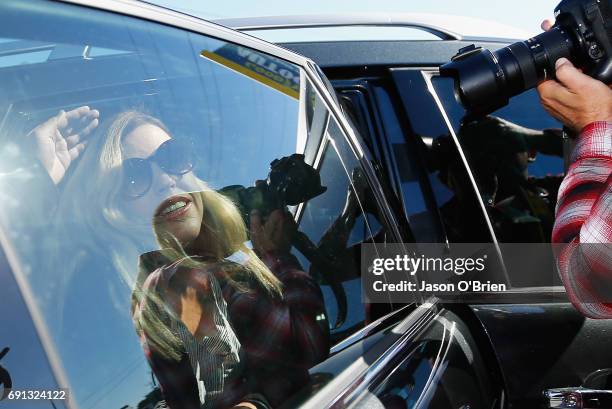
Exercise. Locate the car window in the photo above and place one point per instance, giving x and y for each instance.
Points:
(178, 207)
(416, 187)
(428, 139)
(371, 108)
(338, 222)
(515, 155)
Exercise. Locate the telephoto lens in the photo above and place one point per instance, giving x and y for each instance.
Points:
(485, 80)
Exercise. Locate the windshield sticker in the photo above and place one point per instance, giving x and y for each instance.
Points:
(268, 70)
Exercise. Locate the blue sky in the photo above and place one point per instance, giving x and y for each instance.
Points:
(524, 14)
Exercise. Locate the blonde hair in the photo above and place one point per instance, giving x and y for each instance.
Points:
(93, 205)
(223, 233)
(89, 200)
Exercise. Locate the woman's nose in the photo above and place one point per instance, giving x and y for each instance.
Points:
(162, 181)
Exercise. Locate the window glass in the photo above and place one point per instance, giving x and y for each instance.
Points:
(338, 222)
(515, 155)
(22, 352)
(429, 141)
(419, 207)
(163, 202)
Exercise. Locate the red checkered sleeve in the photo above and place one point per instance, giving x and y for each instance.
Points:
(583, 225)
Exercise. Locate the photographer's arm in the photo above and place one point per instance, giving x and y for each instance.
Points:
(584, 207)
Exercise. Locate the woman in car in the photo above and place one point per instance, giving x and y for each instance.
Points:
(219, 326)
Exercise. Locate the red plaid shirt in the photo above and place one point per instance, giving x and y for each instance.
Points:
(584, 217)
(280, 339)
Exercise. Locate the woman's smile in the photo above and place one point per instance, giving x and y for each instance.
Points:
(173, 208)
(179, 216)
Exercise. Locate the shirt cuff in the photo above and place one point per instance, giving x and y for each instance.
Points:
(595, 140)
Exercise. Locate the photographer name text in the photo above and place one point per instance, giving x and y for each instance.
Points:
(462, 286)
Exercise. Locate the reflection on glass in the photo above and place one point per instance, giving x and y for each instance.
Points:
(515, 156)
(90, 148)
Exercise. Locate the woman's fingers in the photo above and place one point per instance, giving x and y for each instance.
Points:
(74, 137)
(77, 124)
(76, 150)
(73, 115)
(77, 118)
(90, 126)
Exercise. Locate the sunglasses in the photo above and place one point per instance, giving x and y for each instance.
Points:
(173, 157)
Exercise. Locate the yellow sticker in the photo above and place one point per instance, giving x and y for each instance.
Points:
(263, 68)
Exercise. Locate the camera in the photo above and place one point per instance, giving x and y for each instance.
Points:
(582, 33)
(291, 181)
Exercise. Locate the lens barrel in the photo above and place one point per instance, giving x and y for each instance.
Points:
(485, 80)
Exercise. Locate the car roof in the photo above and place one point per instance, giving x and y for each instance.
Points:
(164, 15)
(446, 27)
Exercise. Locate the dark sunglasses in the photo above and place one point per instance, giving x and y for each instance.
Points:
(173, 157)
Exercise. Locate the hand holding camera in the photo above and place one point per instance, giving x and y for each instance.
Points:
(582, 34)
(575, 98)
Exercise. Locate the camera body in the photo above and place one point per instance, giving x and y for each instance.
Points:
(485, 80)
(291, 181)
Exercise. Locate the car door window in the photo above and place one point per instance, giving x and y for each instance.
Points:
(515, 155)
(338, 222)
(371, 106)
(165, 194)
(462, 215)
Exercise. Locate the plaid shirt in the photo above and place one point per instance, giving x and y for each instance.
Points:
(281, 339)
(584, 217)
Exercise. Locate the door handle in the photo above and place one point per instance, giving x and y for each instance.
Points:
(578, 398)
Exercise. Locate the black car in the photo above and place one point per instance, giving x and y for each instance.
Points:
(376, 133)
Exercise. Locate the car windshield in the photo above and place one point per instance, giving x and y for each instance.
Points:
(175, 206)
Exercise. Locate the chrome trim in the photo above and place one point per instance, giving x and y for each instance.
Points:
(146, 11)
(347, 386)
(316, 164)
(367, 330)
(444, 26)
(336, 20)
(577, 398)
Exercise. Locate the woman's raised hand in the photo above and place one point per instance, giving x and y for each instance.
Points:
(61, 139)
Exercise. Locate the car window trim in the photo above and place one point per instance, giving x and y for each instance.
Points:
(385, 321)
(348, 386)
(355, 144)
